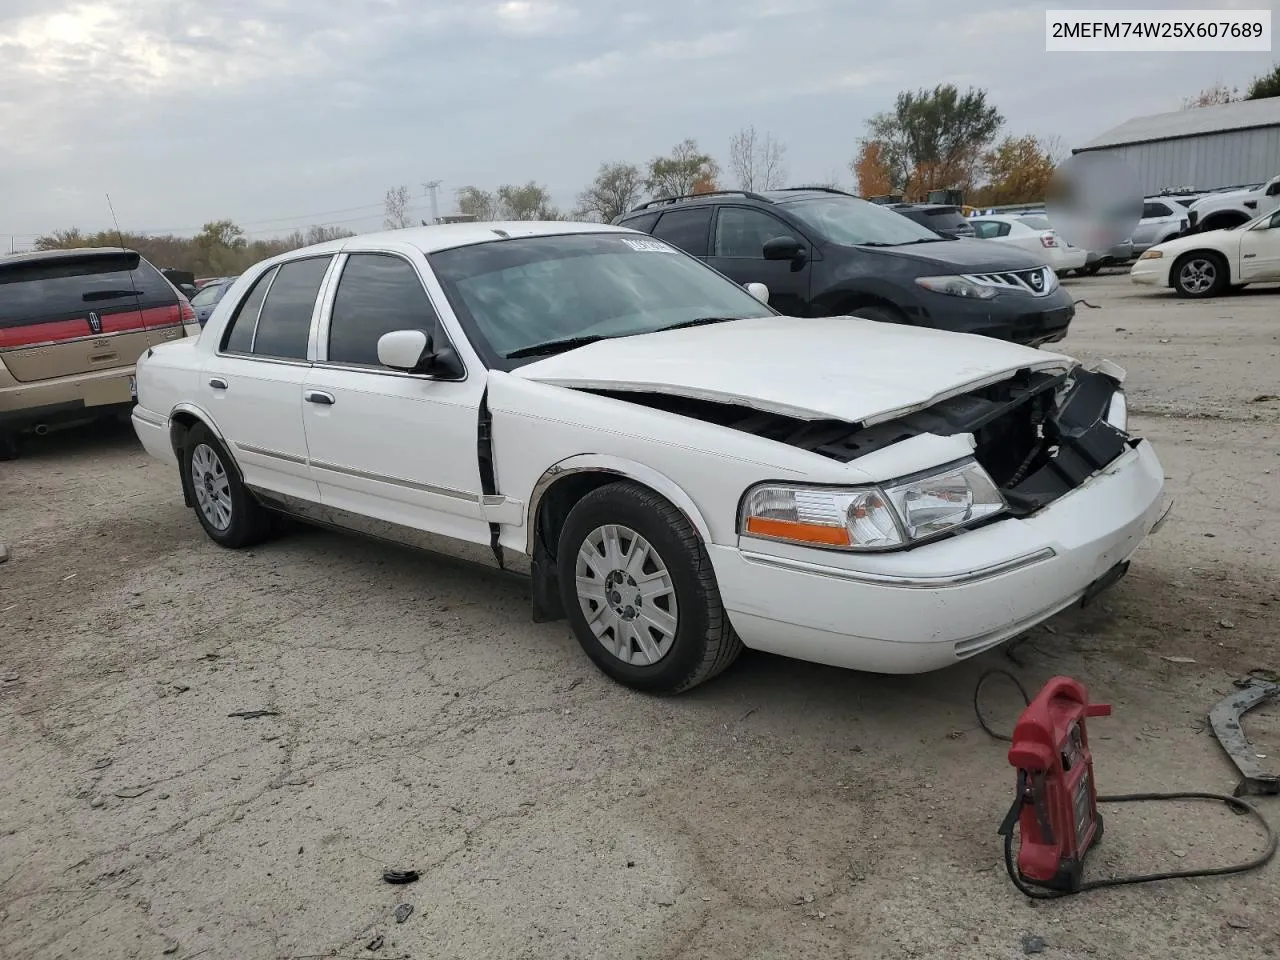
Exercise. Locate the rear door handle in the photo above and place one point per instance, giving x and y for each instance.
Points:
(217, 383)
(319, 396)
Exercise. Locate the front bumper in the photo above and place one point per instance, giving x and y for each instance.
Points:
(1022, 318)
(931, 607)
(1152, 272)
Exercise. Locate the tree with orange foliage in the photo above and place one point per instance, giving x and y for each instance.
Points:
(705, 184)
(874, 178)
(1018, 170)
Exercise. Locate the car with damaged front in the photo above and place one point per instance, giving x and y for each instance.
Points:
(680, 470)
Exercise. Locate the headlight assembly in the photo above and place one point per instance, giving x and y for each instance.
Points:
(882, 517)
(958, 287)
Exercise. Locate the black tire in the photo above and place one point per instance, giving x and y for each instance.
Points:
(248, 523)
(9, 446)
(1090, 269)
(879, 314)
(703, 643)
(1200, 274)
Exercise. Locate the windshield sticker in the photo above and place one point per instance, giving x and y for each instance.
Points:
(648, 246)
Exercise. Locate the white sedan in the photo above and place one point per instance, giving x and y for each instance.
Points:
(1031, 233)
(1206, 264)
(681, 471)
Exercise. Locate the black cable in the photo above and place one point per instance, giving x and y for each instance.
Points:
(977, 692)
(1235, 803)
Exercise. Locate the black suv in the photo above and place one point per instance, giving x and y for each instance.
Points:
(822, 252)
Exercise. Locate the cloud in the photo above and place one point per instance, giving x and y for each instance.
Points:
(266, 110)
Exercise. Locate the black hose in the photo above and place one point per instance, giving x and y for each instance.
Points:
(1235, 803)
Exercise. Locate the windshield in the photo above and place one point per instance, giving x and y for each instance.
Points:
(209, 294)
(852, 222)
(513, 295)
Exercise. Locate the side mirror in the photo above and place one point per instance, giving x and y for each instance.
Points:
(1273, 189)
(783, 248)
(407, 350)
(759, 291)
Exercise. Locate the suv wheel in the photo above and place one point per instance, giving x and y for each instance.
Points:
(879, 314)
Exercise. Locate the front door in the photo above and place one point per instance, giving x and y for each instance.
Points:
(1260, 251)
(396, 447)
(252, 386)
(737, 244)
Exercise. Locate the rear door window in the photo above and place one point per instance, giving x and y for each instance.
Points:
(284, 324)
(686, 229)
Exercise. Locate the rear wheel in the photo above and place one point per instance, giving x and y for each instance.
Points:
(639, 591)
(224, 506)
(1200, 274)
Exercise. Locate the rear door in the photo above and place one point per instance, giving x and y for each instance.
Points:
(81, 313)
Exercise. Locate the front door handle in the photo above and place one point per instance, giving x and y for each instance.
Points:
(319, 396)
(217, 383)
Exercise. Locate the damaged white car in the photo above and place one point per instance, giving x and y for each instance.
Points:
(681, 471)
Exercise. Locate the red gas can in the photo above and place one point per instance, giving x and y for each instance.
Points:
(1057, 803)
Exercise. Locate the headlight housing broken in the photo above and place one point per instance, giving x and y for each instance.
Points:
(886, 516)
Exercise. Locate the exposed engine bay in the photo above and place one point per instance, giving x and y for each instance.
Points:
(1039, 435)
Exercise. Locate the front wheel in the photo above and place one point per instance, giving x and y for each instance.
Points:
(1199, 275)
(224, 506)
(639, 591)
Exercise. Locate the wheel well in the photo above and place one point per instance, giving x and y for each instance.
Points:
(180, 425)
(1218, 221)
(1207, 254)
(552, 510)
(849, 303)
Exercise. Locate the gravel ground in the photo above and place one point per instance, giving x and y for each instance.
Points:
(417, 718)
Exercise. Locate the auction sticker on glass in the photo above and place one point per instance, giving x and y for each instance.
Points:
(1156, 31)
(1094, 200)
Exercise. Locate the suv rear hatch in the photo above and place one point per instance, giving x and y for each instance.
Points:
(81, 311)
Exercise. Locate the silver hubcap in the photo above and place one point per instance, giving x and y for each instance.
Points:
(213, 490)
(1197, 276)
(626, 595)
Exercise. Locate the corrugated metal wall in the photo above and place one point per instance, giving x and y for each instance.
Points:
(1214, 160)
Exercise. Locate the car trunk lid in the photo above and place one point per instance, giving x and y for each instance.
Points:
(83, 311)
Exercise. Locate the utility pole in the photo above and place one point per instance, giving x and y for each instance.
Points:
(431, 187)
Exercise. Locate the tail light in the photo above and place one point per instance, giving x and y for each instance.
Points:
(188, 312)
(1048, 239)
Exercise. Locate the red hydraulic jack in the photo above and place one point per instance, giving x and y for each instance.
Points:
(1056, 806)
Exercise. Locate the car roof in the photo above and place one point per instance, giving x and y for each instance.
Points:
(446, 236)
(71, 253)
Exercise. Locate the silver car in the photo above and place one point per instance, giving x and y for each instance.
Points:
(1163, 218)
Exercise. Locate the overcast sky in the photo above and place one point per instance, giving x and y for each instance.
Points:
(282, 113)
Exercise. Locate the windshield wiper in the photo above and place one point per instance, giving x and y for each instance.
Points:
(699, 322)
(108, 295)
(548, 347)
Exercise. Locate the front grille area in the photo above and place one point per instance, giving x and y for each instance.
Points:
(1036, 282)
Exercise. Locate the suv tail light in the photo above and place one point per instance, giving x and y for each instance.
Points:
(1048, 239)
(188, 311)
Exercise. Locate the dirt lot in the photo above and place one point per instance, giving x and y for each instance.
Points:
(420, 720)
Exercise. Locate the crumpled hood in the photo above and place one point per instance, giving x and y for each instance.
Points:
(837, 368)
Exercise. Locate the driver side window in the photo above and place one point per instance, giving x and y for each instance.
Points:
(742, 233)
(378, 293)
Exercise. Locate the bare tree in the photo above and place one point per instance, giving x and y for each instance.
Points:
(757, 163)
(396, 207)
(1212, 96)
(616, 189)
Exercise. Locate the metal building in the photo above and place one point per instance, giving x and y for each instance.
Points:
(1202, 148)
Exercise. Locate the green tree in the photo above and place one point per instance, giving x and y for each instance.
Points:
(481, 204)
(616, 189)
(934, 137)
(1267, 85)
(678, 174)
(529, 201)
(396, 207)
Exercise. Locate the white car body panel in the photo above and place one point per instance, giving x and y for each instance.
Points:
(1252, 252)
(1061, 258)
(785, 367)
(401, 449)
